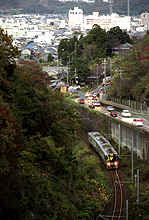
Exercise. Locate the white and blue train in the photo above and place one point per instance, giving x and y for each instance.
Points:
(104, 149)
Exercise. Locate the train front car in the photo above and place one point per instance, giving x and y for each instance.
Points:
(111, 161)
(105, 150)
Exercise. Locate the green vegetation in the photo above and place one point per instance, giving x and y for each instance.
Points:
(134, 77)
(130, 71)
(46, 171)
(142, 211)
(56, 7)
(84, 54)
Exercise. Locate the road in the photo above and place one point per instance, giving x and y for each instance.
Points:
(119, 115)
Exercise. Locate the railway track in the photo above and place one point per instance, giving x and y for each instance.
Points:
(116, 201)
(116, 207)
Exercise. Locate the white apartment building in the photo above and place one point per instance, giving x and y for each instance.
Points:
(90, 20)
(75, 17)
(22, 29)
(106, 21)
(123, 22)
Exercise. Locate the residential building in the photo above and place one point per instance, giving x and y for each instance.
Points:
(145, 18)
(123, 22)
(75, 17)
(106, 21)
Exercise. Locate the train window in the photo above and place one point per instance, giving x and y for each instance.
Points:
(111, 157)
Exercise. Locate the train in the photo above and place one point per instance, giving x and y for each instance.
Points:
(104, 149)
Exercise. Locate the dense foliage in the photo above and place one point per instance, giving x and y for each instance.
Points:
(134, 77)
(45, 170)
(90, 50)
(135, 211)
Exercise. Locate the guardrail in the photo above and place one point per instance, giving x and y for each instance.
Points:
(122, 106)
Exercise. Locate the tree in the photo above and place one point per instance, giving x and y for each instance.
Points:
(8, 53)
(49, 58)
(116, 37)
(78, 65)
(11, 143)
(97, 36)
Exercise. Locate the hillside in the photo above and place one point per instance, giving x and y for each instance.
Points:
(55, 7)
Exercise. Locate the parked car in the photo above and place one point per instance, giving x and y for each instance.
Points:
(91, 106)
(137, 121)
(110, 108)
(113, 113)
(96, 103)
(126, 113)
(81, 101)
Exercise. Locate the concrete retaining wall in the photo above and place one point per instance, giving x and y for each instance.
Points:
(121, 132)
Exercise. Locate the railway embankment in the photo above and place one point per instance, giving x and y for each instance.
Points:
(123, 133)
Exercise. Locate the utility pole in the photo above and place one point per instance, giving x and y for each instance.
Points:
(105, 63)
(128, 8)
(67, 73)
(137, 187)
(97, 75)
(76, 76)
(132, 157)
(57, 66)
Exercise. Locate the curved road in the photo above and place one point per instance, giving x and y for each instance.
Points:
(119, 115)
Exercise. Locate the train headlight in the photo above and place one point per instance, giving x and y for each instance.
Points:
(115, 163)
(108, 164)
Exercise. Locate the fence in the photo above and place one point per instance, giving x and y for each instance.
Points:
(136, 106)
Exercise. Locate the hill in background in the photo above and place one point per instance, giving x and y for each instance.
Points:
(55, 7)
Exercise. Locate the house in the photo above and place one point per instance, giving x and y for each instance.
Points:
(52, 72)
(124, 49)
(25, 52)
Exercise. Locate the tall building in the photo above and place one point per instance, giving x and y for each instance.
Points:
(75, 17)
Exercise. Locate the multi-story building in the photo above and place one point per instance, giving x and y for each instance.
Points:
(75, 17)
(106, 21)
(90, 20)
(145, 18)
(123, 22)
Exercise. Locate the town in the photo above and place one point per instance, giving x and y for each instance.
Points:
(46, 31)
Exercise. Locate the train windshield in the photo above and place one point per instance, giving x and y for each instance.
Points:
(111, 157)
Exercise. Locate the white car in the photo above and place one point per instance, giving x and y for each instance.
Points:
(126, 113)
(137, 121)
(96, 103)
(110, 108)
(95, 94)
(87, 94)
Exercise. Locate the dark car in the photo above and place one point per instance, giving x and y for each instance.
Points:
(113, 113)
(91, 106)
(81, 101)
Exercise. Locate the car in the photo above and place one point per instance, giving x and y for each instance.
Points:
(137, 122)
(95, 94)
(113, 113)
(87, 94)
(110, 108)
(81, 101)
(91, 106)
(107, 83)
(96, 103)
(126, 113)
